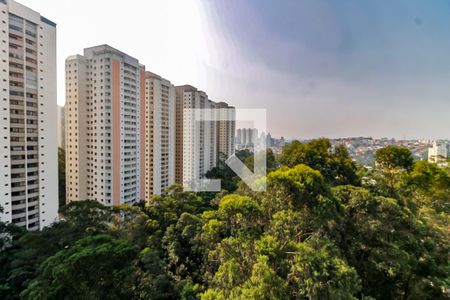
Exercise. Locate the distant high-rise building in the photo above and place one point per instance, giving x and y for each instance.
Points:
(253, 133)
(196, 145)
(61, 128)
(269, 140)
(29, 159)
(239, 136)
(103, 143)
(437, 153)
(225, 130)
(282, 142)
(249, 138)
(245, 137)
(157, 135)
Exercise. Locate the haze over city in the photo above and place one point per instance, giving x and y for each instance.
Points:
(320, 68)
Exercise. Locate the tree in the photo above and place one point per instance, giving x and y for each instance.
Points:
(318, 272)
(271, 163)
(394, 157)
(307, 236)
(392, 251)
(229, 179)
(392, 163)
(29, 250)
(86, 216)
(335, 165)
(96, 267)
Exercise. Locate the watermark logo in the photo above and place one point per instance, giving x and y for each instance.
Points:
(199, 132)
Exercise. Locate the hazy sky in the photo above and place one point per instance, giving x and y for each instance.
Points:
(320, 68)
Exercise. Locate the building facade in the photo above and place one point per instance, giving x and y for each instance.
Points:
(29, 159)
(61, 139)
(437, 153)
(157, 135)
(247, 138)
(196, 141)
(103, 97)
(226, 128)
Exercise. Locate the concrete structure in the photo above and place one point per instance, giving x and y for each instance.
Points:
(247, 138)
(157, 135)
(225, 130)
(61, 128)
(29, 159)
(437, 153)
(103, 98)
(238, 139)
(196, 144)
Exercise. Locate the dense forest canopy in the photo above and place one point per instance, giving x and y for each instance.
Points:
(325, 229)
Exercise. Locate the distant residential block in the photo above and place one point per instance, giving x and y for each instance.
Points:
(200, 144)
(437, 153)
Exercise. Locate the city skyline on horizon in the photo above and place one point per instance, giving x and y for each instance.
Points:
(318, 67)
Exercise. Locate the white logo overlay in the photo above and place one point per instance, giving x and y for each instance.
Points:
(255, 180)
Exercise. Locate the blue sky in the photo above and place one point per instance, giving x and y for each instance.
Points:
(320, 68)
(341, 68)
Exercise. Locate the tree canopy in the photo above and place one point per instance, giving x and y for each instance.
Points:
(318, 232)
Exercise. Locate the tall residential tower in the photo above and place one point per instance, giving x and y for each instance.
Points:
(28, 161)
(157, 135)
(103, 142)
(196, 143)
(226, 127)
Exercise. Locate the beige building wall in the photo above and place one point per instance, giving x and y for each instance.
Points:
(76, 112)
(103, 126)
(159, 135)
(225, 131)
(61, 139)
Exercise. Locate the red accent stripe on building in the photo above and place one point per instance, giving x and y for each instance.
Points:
(116, 131)
(142, 180)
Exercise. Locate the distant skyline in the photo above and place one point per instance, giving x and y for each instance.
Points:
(320, 68)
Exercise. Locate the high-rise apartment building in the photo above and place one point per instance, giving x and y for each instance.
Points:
(196, 144)
(226, 126)
(247, 138)
(61, 139)
(103, 97)
(157, 135)
(239, 137)
(28, 161)
(437, 153)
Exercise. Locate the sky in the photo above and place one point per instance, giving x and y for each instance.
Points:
(319, 68)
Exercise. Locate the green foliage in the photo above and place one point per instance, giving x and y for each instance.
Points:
(391, 249)
(96, 267)
(314, 234)
(394, 157)
(335, 165)
(318, 272)
(229, 179)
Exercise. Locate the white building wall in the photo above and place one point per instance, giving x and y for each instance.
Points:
(5, 172)
(48, 151)
(437, 153)
(43, 211)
